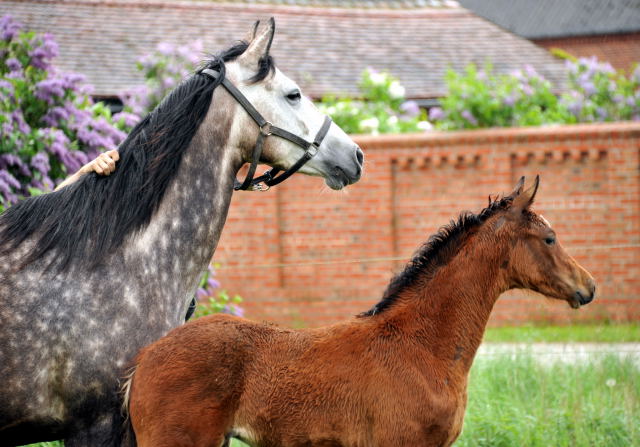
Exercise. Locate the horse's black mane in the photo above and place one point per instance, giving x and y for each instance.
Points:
(92, 217)
(436, 252)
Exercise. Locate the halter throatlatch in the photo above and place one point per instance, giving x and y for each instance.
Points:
(267, 129)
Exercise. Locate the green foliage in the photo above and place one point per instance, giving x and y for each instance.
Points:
(480, 98)
(483, 99)
(163, 69)
(221, 302)
(211, 299)
(613, 333)
(49, 125)
(381, 109)
(522, 401)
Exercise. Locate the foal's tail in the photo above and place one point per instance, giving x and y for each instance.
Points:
(128, 436)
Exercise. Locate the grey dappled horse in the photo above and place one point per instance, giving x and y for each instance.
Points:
(102, 267)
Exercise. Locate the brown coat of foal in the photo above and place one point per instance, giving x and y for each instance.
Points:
(393, 376)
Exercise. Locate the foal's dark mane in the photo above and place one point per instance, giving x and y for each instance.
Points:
(439, 249)
(92, 217)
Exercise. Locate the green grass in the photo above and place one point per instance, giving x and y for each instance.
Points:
(577, 333)
(520, 402)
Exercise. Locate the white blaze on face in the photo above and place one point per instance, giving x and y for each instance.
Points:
(546, 222)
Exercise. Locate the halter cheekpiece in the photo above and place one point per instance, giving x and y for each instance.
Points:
(269, 178)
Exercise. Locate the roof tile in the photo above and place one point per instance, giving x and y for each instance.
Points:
(324, 49)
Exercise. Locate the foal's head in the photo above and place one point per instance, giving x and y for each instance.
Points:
(536, 260)
(279, 99)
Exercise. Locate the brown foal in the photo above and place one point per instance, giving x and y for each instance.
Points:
(393, 376)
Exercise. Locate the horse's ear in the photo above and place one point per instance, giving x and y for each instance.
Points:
(522, 199)
(518, 189)
(252, 34)
(260, 44)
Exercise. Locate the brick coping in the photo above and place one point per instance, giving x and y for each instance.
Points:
(624, 129)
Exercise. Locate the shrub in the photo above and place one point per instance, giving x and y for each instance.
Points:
(382, 107)
(163, 69)
(49, 126)
(480, 98)
(213, 300)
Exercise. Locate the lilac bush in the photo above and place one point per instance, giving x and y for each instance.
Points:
(49, 125)
(382, 107)
(211, 299)
(163, 69)
(480, 98)
(599, 93)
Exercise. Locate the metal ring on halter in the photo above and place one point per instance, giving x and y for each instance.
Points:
(266, 129)
(267, 125)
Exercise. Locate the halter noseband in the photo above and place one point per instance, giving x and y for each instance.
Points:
(266, 129)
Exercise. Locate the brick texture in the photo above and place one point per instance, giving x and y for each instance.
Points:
(621, 50)
(303, 255)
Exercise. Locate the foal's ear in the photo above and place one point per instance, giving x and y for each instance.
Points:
(260, 44)
(522, 199)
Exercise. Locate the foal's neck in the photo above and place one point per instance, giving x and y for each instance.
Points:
(449, 311)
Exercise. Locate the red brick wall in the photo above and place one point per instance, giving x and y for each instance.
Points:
(621, 50)
(303, 255)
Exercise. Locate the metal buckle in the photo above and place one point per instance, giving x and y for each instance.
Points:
(260, 187)
(265, 129)
(312, 150)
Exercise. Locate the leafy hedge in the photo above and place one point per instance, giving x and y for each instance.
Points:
(49, 125)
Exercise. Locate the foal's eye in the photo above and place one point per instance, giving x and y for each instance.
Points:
(294, 96)
(550, 241)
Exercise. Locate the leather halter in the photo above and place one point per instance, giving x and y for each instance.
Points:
(266, 129)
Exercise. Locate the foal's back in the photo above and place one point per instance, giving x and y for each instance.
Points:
(270, 386)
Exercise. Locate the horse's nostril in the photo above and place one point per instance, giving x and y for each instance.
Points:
(359, 156)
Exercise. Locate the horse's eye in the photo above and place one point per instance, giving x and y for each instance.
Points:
(550, 241)
(294, 96)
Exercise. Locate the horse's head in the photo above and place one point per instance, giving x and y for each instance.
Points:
(280, 101)
(536, 260)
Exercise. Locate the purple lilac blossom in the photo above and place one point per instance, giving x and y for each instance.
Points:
(588, 87)
(56, 115)
(201, 294)
(5, 190)
(467, 115)
(13, 160)
(9, 179)
(233, 310)
(13, 64)
(49, 89)
(18, 119)
(7, 129)
(19, 75)
(602, 113)
(410, 108)
(213, 283)
(43, 52)
(40, 162)
(129, 119)
(4, 84)
(530, 71)
(571, 66)
(436, 113)
(9, 28)
(165, 48)
(509, 100)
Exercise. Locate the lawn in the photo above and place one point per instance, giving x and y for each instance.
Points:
(618, 333)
